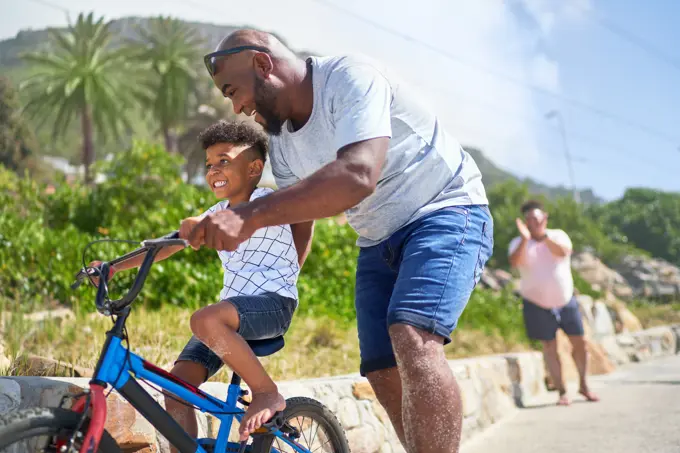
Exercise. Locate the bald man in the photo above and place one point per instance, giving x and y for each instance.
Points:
(346, 135)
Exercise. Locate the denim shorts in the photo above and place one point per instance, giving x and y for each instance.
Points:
(261, 317)
(542, 323)
(422, 276)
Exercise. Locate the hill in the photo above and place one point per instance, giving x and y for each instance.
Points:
(493, 175)
(31, 40)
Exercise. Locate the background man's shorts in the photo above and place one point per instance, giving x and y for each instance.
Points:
(542, 323)
(423, 276)
(261, 317)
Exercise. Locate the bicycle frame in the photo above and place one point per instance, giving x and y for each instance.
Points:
(120, 368)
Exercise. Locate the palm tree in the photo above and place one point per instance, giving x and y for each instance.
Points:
(171, 51)
(211, 107)
(80, 75)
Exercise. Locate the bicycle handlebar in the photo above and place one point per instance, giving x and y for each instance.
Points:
(150, 249)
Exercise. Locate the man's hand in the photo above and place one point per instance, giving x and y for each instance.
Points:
(222, 230)
(523, 229)
(187, 226)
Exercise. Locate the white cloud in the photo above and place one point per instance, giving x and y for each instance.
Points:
(477, 107)
(545, 73)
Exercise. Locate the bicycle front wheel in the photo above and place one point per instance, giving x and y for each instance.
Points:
(46, 430)
(319, 430)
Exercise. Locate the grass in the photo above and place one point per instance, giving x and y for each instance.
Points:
(651, 315)
(315, 347)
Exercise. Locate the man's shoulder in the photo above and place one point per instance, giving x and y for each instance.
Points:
(350, 66)
(514, 241)
(557, 232)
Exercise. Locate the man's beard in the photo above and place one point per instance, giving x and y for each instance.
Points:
(265, 99)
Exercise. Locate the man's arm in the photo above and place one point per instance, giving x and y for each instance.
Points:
(360, 107)
(559, 245)
(302, 238)
(334, 188)
(517, 255)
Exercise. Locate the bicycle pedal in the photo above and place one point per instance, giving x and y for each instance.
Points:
(276, 422)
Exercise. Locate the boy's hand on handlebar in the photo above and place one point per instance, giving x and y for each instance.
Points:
(186, 227)
(94, 276)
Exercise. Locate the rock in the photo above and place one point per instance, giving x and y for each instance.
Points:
(34, 365)
(59, 313)
(132, 431)
(363, 391)
(10, 395)
(489, 281)
(652, 278)
(614, 351)
(471, 399)
(363, 439)
(598, 359)
(596, 315)
(627, 321)
(386, 448)
(348, 413)
(496, 279)
(503, 277)
(592, 270)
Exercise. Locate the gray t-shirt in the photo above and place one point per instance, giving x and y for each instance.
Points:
(425, 168)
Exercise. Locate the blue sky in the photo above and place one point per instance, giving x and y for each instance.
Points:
(485, 67)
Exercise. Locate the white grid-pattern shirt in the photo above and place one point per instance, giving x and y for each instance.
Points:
(267, 262)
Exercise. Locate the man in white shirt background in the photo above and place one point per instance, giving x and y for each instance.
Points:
(543, 258)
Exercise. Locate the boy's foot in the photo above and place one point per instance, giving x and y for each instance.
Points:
(261, 409)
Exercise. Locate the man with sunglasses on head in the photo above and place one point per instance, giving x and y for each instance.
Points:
(346, 136)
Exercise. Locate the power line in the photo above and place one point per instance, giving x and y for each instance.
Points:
(581, 138)
(575, 102)
(626, 35)
(55, 6)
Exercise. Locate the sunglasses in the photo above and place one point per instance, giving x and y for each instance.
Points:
(210, 60)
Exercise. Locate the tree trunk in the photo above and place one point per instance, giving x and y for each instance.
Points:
(170, 140)
(88, 145)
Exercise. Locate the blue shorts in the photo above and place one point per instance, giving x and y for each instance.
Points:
(542, 323)
(261, 317)
(422, 276)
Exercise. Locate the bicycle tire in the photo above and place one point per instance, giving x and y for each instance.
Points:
(25, 424)
(300, 406)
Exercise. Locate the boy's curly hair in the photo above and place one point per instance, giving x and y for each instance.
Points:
(236, 133)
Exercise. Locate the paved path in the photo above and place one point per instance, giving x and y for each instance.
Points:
(639, 412)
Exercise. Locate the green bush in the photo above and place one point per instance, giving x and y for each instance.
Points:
(42, 238)
(584, 229)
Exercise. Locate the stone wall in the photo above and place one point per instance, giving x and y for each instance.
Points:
(492, 387)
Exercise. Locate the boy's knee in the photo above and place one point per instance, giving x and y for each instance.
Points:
(224, 313)
(199, 319)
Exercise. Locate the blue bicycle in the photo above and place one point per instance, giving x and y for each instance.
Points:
(305, 426)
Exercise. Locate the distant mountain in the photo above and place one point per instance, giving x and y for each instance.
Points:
(31, 40)
(492, 174)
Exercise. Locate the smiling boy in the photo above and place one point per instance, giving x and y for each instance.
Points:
(259, 294)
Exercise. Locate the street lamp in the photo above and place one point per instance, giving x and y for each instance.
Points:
(555, 114)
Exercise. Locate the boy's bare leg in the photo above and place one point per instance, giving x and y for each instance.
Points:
(195, 374)
(216, 326)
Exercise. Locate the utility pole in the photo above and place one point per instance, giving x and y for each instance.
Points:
(556, 114)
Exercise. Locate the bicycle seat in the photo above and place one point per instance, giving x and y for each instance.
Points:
(263, 348)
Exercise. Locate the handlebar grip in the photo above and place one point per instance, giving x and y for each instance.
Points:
(168, 240)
